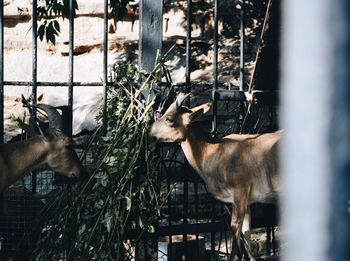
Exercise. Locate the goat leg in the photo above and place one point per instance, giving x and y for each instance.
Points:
(239, 209)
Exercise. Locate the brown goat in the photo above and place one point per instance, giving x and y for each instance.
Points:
(237, 169)
(51, 147)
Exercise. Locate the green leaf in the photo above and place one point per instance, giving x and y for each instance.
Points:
(128, 203)
(50, 36)
(104, 182)
(82, 229)
(150, 229)
(108, 222)
(140, 223)
(56, 25)
(99, 204)
(41, 32)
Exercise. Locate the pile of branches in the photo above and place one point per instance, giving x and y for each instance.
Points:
(89, 220)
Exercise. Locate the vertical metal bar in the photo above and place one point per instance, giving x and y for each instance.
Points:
(170, 224)
(212, 236)
(2, 73)
(34, 52)
(273, 241)
(188, 44)
(226, 243)
(105, 63)
(215, 62)
(214, 99)
(185, 214)
(151, 32)
(268, 240)
(241, 56)
(71, 63)
(220, 239)
(215, 68)
(188, 83)
(196, 202)
(34, 70)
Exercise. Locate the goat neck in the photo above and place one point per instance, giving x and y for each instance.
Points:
(19, 158)
(198, 147)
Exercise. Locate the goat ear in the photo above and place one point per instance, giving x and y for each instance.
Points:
(206, 107)
(196, 115)
(198, 112)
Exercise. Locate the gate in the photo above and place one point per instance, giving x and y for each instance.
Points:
(193, 219)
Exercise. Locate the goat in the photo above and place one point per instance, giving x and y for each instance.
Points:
(239, 168)
(51, 147)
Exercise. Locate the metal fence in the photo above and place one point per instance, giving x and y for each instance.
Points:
(21, 203)
(190, 211)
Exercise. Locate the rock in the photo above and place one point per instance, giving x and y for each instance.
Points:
(81, 47)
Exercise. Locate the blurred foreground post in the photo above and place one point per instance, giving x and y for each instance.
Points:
(151, 32)
(315, 91)
(151, 36)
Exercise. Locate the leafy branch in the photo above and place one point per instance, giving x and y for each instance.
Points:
(49, 11)
(89, 221)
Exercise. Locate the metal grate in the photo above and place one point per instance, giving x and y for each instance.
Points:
(190, 211)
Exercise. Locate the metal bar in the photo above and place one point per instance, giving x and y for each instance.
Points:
(226, 244)
(169, 209)
(105, 63)
(2, 73)
(179, 229)
(34, 52)
(215, 38)
(151, 32)
(34, 72)
(215, 68)
(169, 198)
(196, 202)
(273, 241)
(188, 83)
(71, 61)
(268, 240)
(241, 56)
(212, 236)
(263, 97)
(52, 84)
(185, 214)
(214, 130)
(230, 95)
(188, 44)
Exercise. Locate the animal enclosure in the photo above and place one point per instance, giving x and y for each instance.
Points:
(223, 53)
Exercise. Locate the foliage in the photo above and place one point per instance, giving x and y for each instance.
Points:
(88, 221)
(47, 11)
(50, 10)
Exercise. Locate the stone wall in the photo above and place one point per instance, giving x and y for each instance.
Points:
(53, 59)
(88, 59)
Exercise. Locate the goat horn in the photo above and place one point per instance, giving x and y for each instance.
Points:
(27, 105)
(55, 119)
(181, 98)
